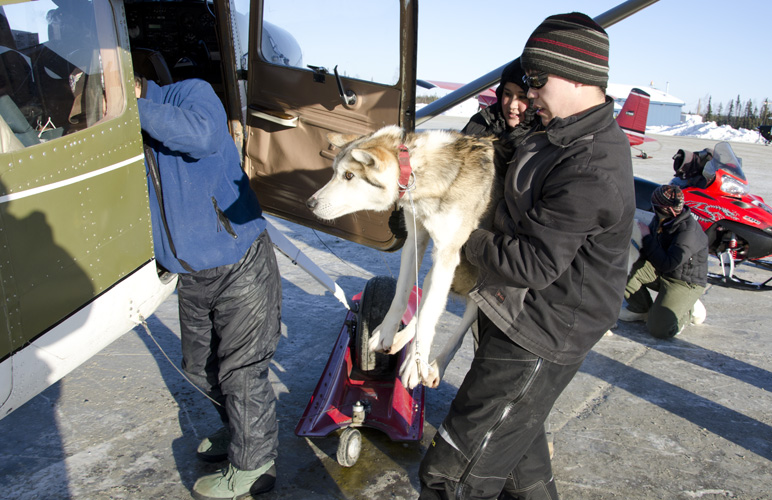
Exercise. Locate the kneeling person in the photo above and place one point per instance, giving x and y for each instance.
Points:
(674, 263)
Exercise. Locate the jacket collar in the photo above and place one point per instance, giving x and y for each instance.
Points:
(564, 132)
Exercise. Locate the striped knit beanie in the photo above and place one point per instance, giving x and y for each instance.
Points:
(571, 46)
(667, 200)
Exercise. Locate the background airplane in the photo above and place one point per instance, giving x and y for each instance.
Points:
(485, 98)
(632, 119)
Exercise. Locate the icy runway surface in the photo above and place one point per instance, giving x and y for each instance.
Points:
(687, 418)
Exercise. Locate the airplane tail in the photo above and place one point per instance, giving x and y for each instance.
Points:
(632, 118)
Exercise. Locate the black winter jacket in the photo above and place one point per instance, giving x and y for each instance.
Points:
(553, 270)
(490, 121)
(678, 248)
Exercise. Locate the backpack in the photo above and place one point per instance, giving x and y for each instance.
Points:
(689, 166)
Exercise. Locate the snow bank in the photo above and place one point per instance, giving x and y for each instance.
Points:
(695, 127)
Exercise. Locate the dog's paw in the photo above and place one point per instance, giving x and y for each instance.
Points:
(409, 373)
(402, 337)
(415, 370)
(434, 377)
(382, 338)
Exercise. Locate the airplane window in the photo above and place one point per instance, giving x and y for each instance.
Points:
(58, 69)
(364, 45)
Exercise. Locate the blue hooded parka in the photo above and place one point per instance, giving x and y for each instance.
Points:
(212, 213)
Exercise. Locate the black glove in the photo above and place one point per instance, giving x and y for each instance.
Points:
(397, 224)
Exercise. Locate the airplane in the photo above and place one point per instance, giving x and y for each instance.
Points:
(632, 119)
(77, 268)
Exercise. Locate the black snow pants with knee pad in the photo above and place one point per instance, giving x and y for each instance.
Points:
(493, 442)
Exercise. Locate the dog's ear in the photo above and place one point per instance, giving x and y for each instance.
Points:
(377, 157)
(363, 156)
(340, 140)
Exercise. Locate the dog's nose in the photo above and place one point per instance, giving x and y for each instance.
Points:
(312, 202)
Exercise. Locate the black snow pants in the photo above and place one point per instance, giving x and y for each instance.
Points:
(493, 442)
(230, 319)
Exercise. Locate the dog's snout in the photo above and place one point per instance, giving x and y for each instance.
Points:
(312, 202)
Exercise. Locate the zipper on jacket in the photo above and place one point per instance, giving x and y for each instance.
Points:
(222, 220)
(459, 493)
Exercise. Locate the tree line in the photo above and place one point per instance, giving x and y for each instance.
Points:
(737, 114)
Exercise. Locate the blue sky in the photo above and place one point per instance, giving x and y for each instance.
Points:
(689, 48)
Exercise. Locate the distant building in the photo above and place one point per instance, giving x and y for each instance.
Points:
(664, 109)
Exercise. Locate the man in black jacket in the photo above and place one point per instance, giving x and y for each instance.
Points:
(552, 272)
(673, 262)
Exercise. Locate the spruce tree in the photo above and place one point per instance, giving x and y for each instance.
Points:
(764, 113)
(729, 113)
(709, 112)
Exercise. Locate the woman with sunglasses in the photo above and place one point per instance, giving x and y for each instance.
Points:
(552, 272)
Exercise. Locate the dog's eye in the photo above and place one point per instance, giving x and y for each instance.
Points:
(349, 176)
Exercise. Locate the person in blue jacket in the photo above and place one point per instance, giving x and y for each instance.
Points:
(208, 228)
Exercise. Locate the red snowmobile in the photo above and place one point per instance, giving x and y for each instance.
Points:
(738, 223)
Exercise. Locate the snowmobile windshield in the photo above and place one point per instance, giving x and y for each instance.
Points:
(724, 159)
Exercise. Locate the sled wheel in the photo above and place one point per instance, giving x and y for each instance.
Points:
(349, 447)
(376, 299)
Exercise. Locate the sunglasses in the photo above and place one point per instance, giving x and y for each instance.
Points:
(536, 81)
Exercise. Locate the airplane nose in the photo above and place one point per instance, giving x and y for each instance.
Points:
(312, 202)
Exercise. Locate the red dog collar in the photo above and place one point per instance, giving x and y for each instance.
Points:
(405, 171)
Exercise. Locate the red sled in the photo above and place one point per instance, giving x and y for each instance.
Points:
(360, 388)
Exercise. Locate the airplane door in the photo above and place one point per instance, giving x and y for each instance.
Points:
(318, 67)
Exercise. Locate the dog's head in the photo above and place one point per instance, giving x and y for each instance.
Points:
(365, 175)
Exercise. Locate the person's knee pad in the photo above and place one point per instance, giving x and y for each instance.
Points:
(539, 491)
(442, 464)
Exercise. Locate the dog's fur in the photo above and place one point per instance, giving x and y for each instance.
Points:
(453, 194)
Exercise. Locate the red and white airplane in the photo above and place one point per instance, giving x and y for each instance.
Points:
(632, 119)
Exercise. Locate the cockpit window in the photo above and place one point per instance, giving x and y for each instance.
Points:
(364, 45)
(59, 70)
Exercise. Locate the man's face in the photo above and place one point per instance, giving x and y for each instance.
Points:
(558, 98)
(513, 104)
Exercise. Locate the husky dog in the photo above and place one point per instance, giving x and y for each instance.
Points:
(447, 195)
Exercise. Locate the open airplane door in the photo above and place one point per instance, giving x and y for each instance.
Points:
(354, 77)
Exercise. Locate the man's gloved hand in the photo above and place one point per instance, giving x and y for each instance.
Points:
(397, 224)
